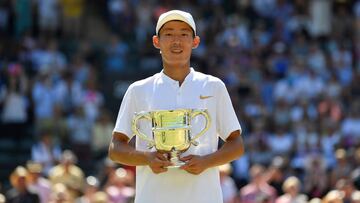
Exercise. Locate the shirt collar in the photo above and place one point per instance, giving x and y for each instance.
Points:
(167, 79)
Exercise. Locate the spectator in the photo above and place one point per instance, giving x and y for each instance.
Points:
(258, 190)
(80, 68)
(60, 194)
(240, 171)
(52, 60)
(330, 109)
(355, 197)
(90, 190)
(281, 143)
(120, 186)
(100, 197)
(350, 126)
(4, 17)
(292, 194)
(143, 16)
(330, 139)
(355, 174)
(44, 100)
(19, 191)
(320, 14)
(117, 54)
(23, 16)
(315, 200)
(37, 183)
(228, 186)
(315, 177)
(80, 136)
(16, 103)
(346, 187)
(106, 171)
(67, 93)
(92, 100)
(2, 198)
(343, 169)
(258, 147)
(72, 17)
(49, 17)
(333, 196)
(115, 8)
(277, 173)
(68, 174)
(46, 152)
(101, 135)
(316, 59)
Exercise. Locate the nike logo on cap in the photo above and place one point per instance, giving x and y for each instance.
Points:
(205, 97)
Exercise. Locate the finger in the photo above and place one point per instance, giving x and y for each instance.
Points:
(186, 166)
(159, 167)
(161, 163)
(189, 171)
(160, 170)
(162, 157)
(190, 162)
(186, 158)
(192, 170)
(167, 163)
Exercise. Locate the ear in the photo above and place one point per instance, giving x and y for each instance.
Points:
(156, 41)
(196, 42)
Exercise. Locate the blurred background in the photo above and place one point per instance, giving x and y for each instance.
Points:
(291, 67)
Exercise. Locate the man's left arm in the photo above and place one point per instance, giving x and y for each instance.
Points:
(231, 150)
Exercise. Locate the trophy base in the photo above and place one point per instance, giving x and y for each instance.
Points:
(176, 165)
(175, 160)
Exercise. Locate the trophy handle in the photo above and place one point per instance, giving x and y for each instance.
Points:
(196, 112)
(136, 131)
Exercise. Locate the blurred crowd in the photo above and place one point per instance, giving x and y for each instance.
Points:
(291, 67)
(66, 182)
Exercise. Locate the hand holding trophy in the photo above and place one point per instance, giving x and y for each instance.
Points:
(171, 130)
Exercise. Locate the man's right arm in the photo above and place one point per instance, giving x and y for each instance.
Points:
(122, 152)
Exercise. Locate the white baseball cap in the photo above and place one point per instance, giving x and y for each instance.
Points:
(175, 15)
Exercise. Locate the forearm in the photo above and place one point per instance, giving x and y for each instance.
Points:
(121, 152)
(231, 150)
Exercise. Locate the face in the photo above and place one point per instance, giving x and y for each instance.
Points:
(176, 41)
(21, 183)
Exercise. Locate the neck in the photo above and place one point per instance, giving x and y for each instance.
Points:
(177, 73)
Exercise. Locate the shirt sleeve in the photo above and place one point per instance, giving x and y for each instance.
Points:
(226, 119)
(126, 113)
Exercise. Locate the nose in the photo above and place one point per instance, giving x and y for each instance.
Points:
(176, 38)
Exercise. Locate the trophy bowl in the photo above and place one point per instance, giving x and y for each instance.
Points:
(171, 131)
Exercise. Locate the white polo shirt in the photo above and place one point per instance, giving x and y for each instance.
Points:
(159, 92)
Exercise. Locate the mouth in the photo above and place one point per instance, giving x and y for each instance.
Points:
(176, 51)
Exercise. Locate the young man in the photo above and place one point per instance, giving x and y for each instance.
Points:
(178, 86)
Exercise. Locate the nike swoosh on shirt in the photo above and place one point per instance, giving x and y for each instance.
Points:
(205, 97)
